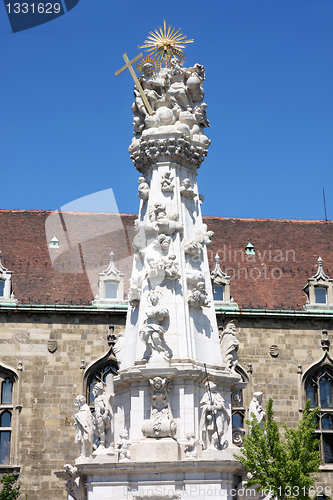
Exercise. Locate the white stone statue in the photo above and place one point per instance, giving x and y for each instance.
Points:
(256, 408)
(161, 423)
(161, 222)
(143, 190)
(164, 241)
(229, 346)
(194, 247)
(186, 190)
(134, 294)
(171, 267)
(75, 486)
(154, 267)
(123, 445)
(103, 417)
(214, 420)
(167, 185)
(191, 447)
(198, 296)
(118, 347)
(137, 244)
(152, 331)
(84, 428)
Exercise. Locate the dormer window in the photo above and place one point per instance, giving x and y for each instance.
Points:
(110, 285)
(54, 242)
(321, 295)
(6, 294)
(221, 286)
(218, 292)
(111, 290)
(319, 289)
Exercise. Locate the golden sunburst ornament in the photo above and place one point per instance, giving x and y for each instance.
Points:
(148, 59)
(165, 43)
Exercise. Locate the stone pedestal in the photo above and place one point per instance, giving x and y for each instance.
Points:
(157, 450)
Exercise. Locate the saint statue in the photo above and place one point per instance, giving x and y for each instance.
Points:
(256, 408)
(103, 416)
(229, 346)
(84, 428)
(214, 420)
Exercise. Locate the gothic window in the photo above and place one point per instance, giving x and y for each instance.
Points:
(6, 409)
(320, 295)
(99, 375)
(319, 389)
(218, 292)
(238, 410)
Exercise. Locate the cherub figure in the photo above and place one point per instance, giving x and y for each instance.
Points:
(143, 189)
(191, 446)
(123, 445)
(198, 297)
(166, 183)
(186, 190)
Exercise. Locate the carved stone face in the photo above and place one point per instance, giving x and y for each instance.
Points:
(147, 69)
(186, 182)
(80, 401)
(157, 383)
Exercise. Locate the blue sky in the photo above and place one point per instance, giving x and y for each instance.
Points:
(65, 119)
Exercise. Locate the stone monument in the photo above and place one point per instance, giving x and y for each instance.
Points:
(172, 392)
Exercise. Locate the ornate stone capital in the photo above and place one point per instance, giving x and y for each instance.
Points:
(174, 149)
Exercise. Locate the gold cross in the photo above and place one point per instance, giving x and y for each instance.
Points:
(128, 65)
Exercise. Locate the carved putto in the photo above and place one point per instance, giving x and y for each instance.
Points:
(84, 428)
(143, 189)
(186, 190)
(202, 237)
(198, 297)
(191, 447)
(161, 423)
(229, 346)
(214, 420)
(167, 185)
(123, 445)
(161, 222)
(153, 329)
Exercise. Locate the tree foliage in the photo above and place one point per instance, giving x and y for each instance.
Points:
(287, 464)
(10, 488)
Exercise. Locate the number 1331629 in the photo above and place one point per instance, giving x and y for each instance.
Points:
(32, 8)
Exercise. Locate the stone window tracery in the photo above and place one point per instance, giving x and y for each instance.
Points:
(318, 386)
(6, 410)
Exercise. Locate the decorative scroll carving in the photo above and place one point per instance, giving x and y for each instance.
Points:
(161, 423)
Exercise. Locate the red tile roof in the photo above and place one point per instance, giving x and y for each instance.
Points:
(286, 253)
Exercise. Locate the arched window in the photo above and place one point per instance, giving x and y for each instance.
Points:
(99, 375)
(238, 409)
(319, 389)
(5, 419)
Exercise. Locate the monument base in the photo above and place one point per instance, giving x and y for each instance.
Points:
(157, 450)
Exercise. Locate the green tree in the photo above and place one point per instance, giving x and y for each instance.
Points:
(10, 490)
(287, 464)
